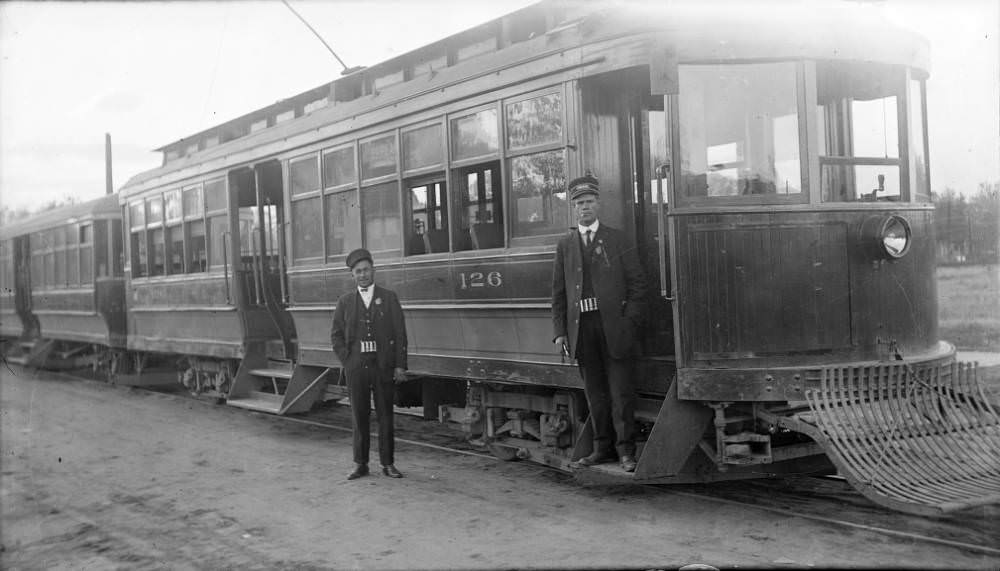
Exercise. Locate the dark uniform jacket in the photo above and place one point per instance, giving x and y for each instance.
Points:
(618, 284)
(390, 328)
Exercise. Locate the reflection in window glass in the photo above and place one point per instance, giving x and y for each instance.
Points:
(474, 135)
(154, 210)
(481, 210)
(215, 195)
(339, 167)
(172, 200)
(380, 208)
(303, 175)
(219, 246)
(739, 130)
(918, 159)
(378, 157)
(534, 121)
(538, 194)
(423, 147)
(197, 254)
(307, 229)
(343, 219)
(192, 201)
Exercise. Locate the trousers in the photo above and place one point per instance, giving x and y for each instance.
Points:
(610, 389)
(363, 380)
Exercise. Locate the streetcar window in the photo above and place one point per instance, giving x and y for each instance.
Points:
(339, 167)
(475, 135)
(423, 147)
(539, 204)
(480, 207)
(535, 121)
(60, 266)
(307, 229)
(343, 222)
(192, 202)
(118, 256)
(172, 201)
(219, 251)
(918, 156)
(197, 256)
(739, 130)
(427, 225)
(73, 234)
(136, 215)
(154, 210)
(857, 107)
(380, 209)
(174, 244)
(378, 157)
(157, 255)
(73, 256)
(86, 264)
(100, 249)
(215, 195)
(138, 248)
(50, 261)
(303, 175)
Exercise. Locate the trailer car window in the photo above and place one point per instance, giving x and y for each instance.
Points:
(739, 130)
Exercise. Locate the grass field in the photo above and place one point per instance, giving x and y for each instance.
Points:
(969, 306)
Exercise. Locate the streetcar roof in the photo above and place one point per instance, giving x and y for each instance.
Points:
(103, 207)
(692, 32)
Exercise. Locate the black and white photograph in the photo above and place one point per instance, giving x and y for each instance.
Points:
(512, 284)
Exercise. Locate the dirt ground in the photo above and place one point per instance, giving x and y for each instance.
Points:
(102, 477)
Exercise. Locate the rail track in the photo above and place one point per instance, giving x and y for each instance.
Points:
(809, 497)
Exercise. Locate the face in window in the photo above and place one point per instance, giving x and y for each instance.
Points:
(586, 207)
(364, 273)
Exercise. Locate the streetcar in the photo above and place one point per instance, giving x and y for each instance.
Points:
(771, 169)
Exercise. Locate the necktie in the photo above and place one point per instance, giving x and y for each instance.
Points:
(586, 238)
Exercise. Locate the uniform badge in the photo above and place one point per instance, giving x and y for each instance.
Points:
(378, 301)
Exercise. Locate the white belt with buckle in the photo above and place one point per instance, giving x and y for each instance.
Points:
(589, 304)
(367, 346)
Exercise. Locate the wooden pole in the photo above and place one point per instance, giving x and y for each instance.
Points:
(109, 187)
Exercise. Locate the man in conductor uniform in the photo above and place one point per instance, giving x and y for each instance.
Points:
(369, 337)
(597, 303)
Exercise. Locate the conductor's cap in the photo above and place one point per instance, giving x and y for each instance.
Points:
(357, 255)
(585, 184)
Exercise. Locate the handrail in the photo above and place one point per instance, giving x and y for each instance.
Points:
(282, 263)
(659, 173)
(254, 267)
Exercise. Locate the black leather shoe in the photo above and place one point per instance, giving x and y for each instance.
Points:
(359, 470)
(628, 463)
(593, 460)
(391, 471)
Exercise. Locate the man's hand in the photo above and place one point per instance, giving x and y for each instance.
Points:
(560, 342)
(399, 375)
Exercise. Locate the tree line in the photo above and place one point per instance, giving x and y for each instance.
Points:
(967, 228)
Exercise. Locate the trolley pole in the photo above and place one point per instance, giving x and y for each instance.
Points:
(109, 187)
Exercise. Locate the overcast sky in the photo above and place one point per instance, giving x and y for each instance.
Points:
(152, 73)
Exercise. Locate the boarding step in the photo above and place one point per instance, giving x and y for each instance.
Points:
(27, 345)
(273, 372)
(18, 360)
(259, 401)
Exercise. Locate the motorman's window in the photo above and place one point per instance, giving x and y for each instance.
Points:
(535, 121)
(858, 109)
(474, 135)
(918, 156)
(343, 223)
(303, 175)
(480, 207)
(423, 147)
(427, 230)
(739, 130)
(539, 204)
(378, 157)
(339, 167)
(307, 230)
(380, 208)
